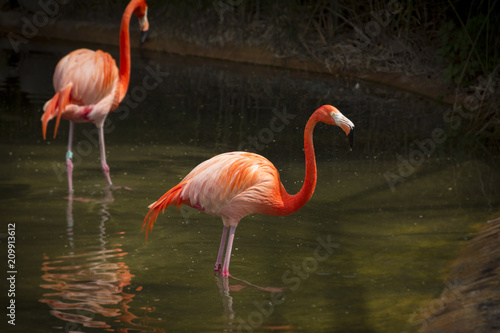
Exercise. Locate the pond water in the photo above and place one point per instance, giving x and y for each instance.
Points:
(366, 254)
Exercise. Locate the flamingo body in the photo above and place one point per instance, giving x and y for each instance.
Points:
(90, 78)
(231, 185)
(89, 85)
(94, 75)
(234, 185)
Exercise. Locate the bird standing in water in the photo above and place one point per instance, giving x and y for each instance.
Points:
(88, 86)
(234, 185)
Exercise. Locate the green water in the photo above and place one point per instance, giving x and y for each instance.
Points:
(83, 265)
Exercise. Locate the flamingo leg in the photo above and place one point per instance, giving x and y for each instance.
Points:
(104, 165)
(69, 157)
(218, 263)
(225, 269)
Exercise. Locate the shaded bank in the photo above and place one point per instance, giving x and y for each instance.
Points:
(106, 33)
(420, 47)
(471, 300)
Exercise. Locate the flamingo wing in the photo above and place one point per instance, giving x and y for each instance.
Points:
(85, 82)
(227, 179)
(230, 185)
(92, 73)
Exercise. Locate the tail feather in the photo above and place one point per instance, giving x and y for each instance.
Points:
(64, 100)
(173, 196)
(50, 110)
(55, 107)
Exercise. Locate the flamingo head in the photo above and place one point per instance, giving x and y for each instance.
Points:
(141, 12)
(332, 116)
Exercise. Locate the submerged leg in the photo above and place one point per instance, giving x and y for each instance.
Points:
(218, 263)
(225, 269)
(69, 157)
(104, 165)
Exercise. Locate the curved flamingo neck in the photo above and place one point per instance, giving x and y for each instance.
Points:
(124, 74)
(293, 203)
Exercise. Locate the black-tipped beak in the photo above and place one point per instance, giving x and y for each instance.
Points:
(350, 136)
(144, 35)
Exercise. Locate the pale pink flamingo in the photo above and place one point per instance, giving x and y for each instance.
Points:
(88, 86)
(234, 185)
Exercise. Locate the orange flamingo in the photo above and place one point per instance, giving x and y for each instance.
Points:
(234, 185)
(88, 86)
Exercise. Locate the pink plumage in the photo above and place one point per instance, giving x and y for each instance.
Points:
(234, 185)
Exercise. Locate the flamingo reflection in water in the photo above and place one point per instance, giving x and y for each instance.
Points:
(262, 316)
(86, 283)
